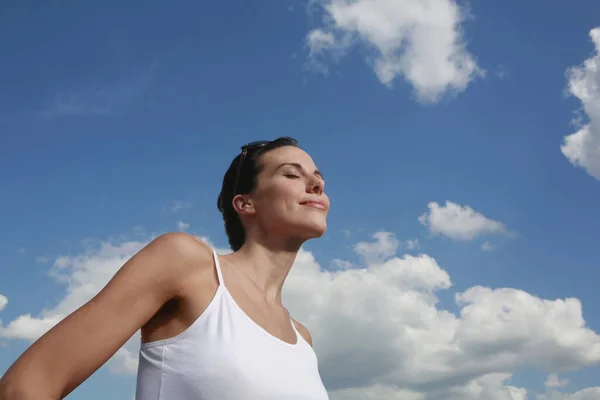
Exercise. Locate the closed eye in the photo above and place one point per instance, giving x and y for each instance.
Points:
(291, 176)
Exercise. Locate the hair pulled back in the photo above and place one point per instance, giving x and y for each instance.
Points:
(247, 181)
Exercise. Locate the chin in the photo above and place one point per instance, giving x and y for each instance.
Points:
(303, 229)
(314, 231)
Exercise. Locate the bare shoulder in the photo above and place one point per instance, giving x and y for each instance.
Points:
(184, 250)
(303, 331)
(183, 244)
(62, 359)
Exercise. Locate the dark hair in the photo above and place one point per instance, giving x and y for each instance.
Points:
(246, 182)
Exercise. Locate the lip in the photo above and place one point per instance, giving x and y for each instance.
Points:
(315, 204)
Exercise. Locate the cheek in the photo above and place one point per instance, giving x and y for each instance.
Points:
(280, 198)
(289, 193)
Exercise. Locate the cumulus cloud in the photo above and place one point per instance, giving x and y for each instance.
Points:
(383, 247)
(421, 41)
(458, 222)
(28, 327)
(84, 275)
(582, 148)
(584, 394)
(379, 329)
(380, 332)
(553, 383)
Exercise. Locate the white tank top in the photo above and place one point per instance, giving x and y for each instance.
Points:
(225, 355)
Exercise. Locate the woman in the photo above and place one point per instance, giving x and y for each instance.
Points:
(213, 327)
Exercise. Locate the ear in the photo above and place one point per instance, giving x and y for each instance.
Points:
(243, 204)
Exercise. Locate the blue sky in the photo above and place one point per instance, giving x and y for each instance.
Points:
(111, 115)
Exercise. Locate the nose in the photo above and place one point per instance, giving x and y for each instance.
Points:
(316, 186)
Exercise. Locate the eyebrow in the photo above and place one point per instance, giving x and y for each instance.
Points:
(300, 167)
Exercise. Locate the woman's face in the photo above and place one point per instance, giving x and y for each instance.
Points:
(289, 198)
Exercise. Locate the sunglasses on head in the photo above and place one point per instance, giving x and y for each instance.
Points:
(245, 149)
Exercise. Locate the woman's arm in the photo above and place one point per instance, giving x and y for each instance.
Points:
(75, 348)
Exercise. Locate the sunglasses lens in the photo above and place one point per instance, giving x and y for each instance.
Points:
(251, 145)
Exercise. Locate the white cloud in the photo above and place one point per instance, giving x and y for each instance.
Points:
(487, 246)
(29, 328)
(421, 41)
(384, 246)
(582, 148)
(554, 382)
(489, 387)
(380, 333)
(412, 244)
(592, 393)
(458, 222)
(379, 329)
(180, 205)
(182, 226)
(84, 275)
(339, 263)
(3, 302)
(320, 41)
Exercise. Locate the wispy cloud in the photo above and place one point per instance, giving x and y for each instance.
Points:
(502, 72)
(553, 381)
(3, 302)
(412, 244)
(180, 205)
(487, 246)
(341, 264)
(111, 98)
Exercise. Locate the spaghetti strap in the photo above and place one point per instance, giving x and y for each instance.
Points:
(218, 267)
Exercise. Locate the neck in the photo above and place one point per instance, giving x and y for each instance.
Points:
(267, 264)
